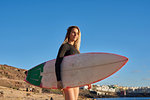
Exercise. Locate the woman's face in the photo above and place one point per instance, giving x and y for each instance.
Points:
(74, 34)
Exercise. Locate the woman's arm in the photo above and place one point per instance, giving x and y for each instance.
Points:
(62, 50)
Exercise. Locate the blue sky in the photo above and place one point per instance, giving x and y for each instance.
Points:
(31, 32)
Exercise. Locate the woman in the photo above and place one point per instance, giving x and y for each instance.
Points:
(70, 46)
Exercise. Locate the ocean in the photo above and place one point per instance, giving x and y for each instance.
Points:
(125, 98)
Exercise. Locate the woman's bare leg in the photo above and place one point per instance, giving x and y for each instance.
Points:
(76, 92)
(69, 94)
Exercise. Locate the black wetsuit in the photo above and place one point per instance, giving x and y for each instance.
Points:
(65, 50)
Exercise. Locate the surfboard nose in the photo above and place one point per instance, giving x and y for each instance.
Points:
(125, 58)
(119, 56)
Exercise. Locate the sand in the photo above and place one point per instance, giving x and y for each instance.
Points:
(14, 94)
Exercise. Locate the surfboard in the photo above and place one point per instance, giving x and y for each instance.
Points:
(76, 70)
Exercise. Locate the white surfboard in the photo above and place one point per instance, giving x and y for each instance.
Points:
(76, 70)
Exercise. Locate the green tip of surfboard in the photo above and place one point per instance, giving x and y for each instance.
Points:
(34, 75)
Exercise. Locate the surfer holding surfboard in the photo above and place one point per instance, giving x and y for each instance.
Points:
(70, 46)
(70, 70)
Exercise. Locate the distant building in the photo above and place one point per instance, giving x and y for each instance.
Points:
(104, 89)
(85, 87)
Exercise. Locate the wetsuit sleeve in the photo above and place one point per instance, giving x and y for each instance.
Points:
(62, 50)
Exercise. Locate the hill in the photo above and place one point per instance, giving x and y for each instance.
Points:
(13, 77)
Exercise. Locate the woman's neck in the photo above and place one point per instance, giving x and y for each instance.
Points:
(71, 42)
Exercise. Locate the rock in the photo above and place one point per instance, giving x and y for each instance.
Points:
(28, 94)
(1, 93)
(51, 98)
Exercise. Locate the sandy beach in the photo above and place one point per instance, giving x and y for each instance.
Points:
(14, 94)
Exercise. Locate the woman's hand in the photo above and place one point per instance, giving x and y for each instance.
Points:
(59, 85)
